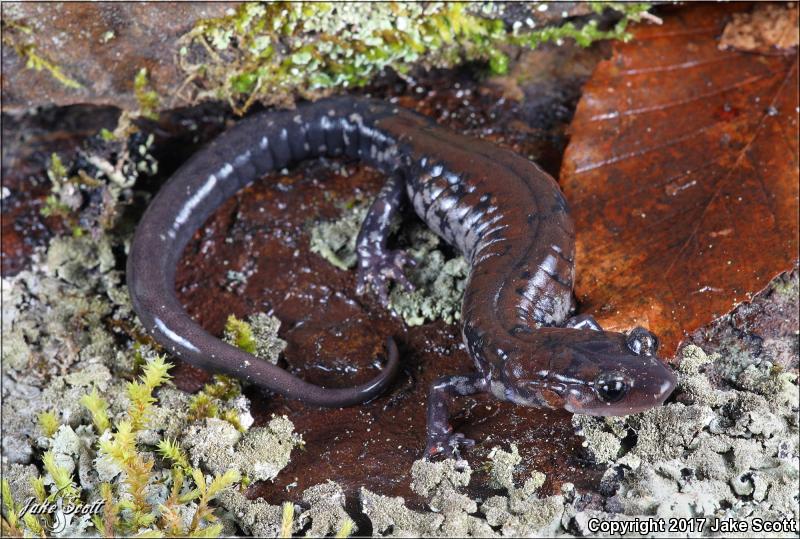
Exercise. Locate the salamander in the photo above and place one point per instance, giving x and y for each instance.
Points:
(506, 216)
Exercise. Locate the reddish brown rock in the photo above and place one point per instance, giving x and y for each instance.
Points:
(99, 45)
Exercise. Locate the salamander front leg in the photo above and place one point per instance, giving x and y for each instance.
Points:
(583, 321)
(377, 265)
(441, 438)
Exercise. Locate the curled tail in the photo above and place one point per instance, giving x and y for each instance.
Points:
(255, 146)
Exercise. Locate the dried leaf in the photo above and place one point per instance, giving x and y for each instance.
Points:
(682, 173)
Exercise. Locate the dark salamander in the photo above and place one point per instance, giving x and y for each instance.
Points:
(501, 211)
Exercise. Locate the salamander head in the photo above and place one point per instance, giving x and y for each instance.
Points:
(593, 372)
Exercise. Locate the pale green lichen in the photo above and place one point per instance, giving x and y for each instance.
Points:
(450, 513)
(326, 513)
(269, 52)
(439, 278)
(73, 325)
(259, 454)
(723, 453)
(439, 282)
(254, 517)
(69, 321)
(502, 470)
(728, 455)
(335, 240)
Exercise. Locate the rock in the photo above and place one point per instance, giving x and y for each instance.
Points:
(99, 46)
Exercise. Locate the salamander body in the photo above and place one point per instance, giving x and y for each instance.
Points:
(501, 211)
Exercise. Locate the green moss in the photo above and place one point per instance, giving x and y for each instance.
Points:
(107, 135)
(48, 423)
(223, 387)
(215, 400)
(146, 97)
(240, 334)
(20, 38)
(272, 52)
(258, 336)
(98, 407)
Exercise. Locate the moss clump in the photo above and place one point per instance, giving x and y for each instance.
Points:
(146, 97)
(270, 52)
(240, 334)
(98, 407)
(48, 423)
(10, 525)
(258, 335)
(220, 399)
(129, 480)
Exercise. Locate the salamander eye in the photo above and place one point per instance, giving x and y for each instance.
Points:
(641, 342)
(611, 387)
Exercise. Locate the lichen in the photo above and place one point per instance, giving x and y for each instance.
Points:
(271, 52)
(91, 192)
(335, 240)
(85, 396)
(254, 517)
(259, 454)
(725, 452)
(72, 347)
(451, 513)
(439, 281)
(326, 512)
(439, 278)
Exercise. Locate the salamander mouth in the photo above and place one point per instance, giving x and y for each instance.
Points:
(586, 400)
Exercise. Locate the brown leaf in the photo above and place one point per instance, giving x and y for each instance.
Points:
(682, 173)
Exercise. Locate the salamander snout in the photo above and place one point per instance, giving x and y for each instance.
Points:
(621, 394)
(622, 374)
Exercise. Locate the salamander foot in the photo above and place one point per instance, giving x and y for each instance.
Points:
(441, 438)
(377, 269)
(447, 444)
(582, 321)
